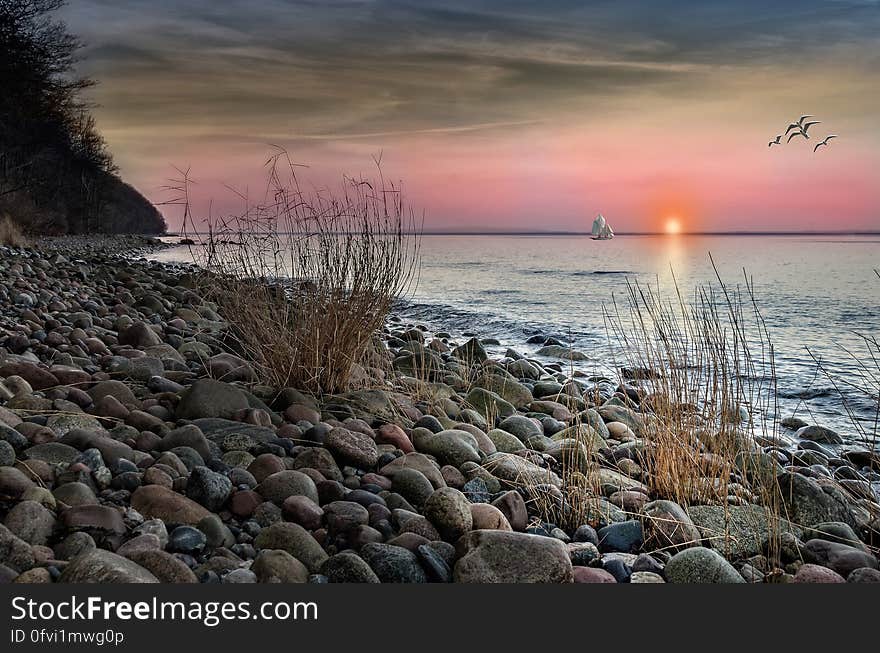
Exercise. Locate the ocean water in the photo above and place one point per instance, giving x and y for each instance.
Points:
(817, 293)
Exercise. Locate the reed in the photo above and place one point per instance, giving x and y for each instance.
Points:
(10, 233)
(307, 277)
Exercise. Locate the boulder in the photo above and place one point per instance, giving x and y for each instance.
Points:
(491, 556)
(162, 503)
(700, 565)
(450, 512)
(100, 566)
(207, 398)
(296, 541)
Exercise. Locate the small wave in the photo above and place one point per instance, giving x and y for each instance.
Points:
(502, 291)
(808, 393)
(584, 273)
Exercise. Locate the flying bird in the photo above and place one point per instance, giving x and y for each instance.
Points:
(797, 133)
(775, 141)
(825, 142)
(807, 125)
(799, 124)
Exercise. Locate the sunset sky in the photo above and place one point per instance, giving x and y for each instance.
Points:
(505, 115)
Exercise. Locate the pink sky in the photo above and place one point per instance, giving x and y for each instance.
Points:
(498, 118)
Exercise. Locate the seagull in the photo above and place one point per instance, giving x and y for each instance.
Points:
(799, 124)
(825, 142)
(776, 141)
(797, 133)
(807, 125)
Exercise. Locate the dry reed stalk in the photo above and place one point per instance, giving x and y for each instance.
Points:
(710, 387)
(306, 278)
(10, 233)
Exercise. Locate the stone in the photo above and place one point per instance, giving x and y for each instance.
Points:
(418, 461)
(412, 485)
(808, 504)
(188, 435)
(810, 573)
(162, 503)
(625, 537)
(30, 521)
(592, 575)
(505, 441)
(353, 447)
(819, 434)
(834, 532)
(582, 554)
(517, 471)
(13, 483)
(320, 459)
(450, 512)
(98, 521)
(451, 447)
(489, 404)
(645, 577)
(839, 557)
(667, 526)
(522, 427)
(513, 507)
(164, 566)
(487, 517)
(394, 435)
(278, 566)
(738, 532)
(139, 336)
(207, 398)
(348, 567)
(294, 539)
(507, 557)
(393, 564)
(864, 575)
(434, 563)
(14, 551)
(344, 516)
(208, 488)
(700, 565)
(303, 511)
(100, 566)
(187, 539)
(142, 542)
(280, 485)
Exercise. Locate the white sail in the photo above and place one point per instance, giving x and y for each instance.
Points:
(601, 229)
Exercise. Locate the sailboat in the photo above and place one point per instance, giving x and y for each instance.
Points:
(601, 229)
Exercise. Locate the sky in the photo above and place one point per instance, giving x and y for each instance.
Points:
(503, 116)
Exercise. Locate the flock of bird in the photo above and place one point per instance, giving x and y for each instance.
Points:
(801, 128)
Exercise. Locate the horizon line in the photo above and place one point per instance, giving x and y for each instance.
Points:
(176, 234)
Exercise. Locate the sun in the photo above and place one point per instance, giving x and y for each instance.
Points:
(673, 226)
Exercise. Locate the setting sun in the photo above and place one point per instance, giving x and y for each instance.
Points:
(673, 226)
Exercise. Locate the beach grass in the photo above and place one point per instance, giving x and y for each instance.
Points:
(11, 234)
(307, 277)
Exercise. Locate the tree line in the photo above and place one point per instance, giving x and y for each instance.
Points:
(56, 172)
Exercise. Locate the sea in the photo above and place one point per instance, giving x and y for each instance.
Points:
(818, 296)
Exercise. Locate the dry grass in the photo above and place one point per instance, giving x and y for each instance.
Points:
(307, 278)
(712, 380)
(10, 233)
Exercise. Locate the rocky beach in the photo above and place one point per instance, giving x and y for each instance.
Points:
(137, 445)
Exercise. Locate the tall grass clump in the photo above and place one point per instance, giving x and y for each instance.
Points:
(705, 367)
(307, 277)
(10, 233)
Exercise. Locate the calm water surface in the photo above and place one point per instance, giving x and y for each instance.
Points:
(815, 292)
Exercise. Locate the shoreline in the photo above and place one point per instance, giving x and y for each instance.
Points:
(136, 447)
